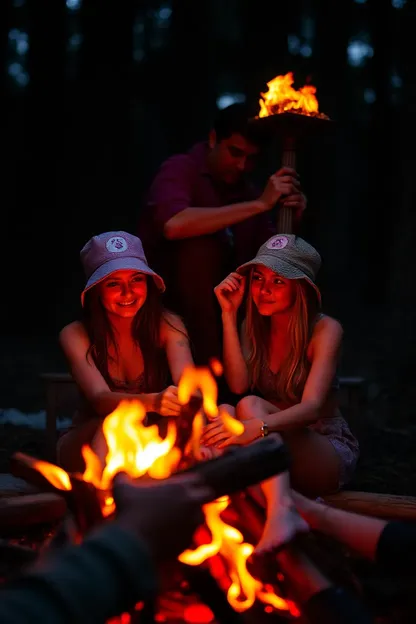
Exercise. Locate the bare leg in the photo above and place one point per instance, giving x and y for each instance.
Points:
(282, 519)
(315, 469)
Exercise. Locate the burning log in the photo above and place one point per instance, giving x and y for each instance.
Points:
(292, 115)
(19, 512)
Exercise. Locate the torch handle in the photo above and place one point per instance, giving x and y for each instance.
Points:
(285, 214)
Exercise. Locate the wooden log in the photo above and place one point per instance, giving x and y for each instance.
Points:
(386, 506)
(23, 467)
(20, 512)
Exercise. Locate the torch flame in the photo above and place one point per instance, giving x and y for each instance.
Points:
(281, 97)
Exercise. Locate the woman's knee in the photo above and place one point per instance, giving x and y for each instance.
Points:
(225, 407)
(69, 446)
(315, 466)
(248, 407)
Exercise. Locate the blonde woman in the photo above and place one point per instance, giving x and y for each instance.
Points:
(286, 357)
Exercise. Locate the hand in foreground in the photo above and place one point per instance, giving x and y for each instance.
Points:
(164, 514)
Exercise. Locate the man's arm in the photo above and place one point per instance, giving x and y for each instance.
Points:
(171, 199)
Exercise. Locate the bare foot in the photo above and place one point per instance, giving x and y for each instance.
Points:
(281, 527)
(207, 452)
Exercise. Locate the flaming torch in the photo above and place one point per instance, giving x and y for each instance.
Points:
(290, 114)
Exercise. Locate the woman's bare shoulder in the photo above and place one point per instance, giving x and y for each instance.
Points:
(74, 332)
(327, 328)
(172, 323)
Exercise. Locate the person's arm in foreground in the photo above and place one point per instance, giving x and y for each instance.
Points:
(390, 544)
(115, 567)
(319, 599)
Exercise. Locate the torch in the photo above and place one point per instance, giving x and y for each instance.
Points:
(291, 115)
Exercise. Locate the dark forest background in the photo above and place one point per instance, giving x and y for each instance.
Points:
(96, 93)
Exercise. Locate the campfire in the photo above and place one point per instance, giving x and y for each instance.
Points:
(281, 97)
(140, 451)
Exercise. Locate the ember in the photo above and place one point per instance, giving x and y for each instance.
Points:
(282, 98)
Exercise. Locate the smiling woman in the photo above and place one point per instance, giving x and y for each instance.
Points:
(285, 362)
(127, 344)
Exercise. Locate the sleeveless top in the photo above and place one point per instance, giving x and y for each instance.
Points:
(85, 411)
(334, 427)
(266, 385)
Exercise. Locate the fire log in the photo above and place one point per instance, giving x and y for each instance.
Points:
(24, 467)
(385, 506)
(20, 512)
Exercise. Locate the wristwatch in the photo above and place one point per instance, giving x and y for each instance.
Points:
(264, 430)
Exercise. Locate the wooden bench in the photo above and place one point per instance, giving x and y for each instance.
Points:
(62, 399)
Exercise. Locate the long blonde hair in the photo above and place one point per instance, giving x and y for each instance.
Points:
(295, 367)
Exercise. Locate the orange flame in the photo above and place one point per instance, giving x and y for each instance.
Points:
(133, 448)
(55, 475)
(201, 379)
(228, 542)
(282, 97)
(138, 450)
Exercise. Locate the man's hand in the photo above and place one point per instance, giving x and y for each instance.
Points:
(164, 514)
(284, 183)
(296, 201)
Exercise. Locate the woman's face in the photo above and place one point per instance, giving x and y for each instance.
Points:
(124, 292)
(271, 293)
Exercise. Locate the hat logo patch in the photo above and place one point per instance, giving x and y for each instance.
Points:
(116, 244)
(277, 242)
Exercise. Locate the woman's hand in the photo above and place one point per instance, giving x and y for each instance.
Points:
(216, 434)
(230, 292)
(167, 402)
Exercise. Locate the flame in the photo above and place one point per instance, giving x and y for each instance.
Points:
(228, 542)
(139, 450)
(54, 474)
(216, 367)
(194, 380)
(200, 379)
(133, 448)
(282, 97)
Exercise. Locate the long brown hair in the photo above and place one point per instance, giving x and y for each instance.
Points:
(294, 369)
(145, 333)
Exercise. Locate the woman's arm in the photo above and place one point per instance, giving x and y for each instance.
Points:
(324, 352)
(176, 343)
(235, 367)
(230, 294)
(75, 344)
